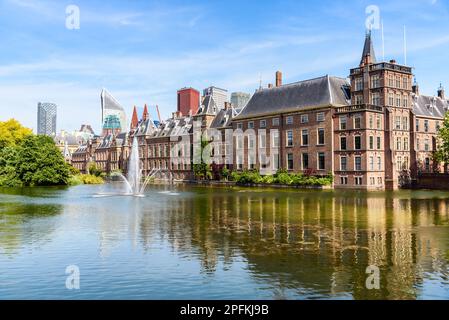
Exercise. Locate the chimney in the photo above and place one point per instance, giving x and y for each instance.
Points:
(278, 78)
(441, 92)
(270, 85)
(227, 105)
(393, 61)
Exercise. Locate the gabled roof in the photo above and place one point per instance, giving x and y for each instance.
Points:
(368, 49)
(428, 106)
(319, 92)
(223, 119)
(208, 106)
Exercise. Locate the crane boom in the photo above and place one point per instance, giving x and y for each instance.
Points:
(158, 114)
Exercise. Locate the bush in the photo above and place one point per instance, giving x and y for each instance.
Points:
(85, 179)
(281, 177)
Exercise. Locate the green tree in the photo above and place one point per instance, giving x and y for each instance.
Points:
(8, 163)
(442, 153)
(12, 133)
(202, 170)
(40, 163)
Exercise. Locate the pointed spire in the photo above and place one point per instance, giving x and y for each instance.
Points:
(145, 115)
(368, 55)
(134, 119)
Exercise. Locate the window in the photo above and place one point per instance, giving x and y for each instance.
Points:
(240, 162)
(405, 144)
(358, 163)
(379, 180)
(240, 125)
(375, 100)
(263, 123)
(405, 83)
(289, 138)
(275, 122)
(342, 143)
(251, 161)
(398, 163)
(417, 125)
(251, 125)
(262, 141)
(251, 142)
(358, 181)
(343, 123)
(305, 161)
(358, 99)
(343, 180)
(304, 118)
(379, 123)
(289, 120)
(320, 117)
(371, 163)
(290, 161)
(357, 122)
(275, 136)
(379, 163)
(343, 163)
(375, 81)
(404, 123)
(357, 142)
(321, 161)
(405, 102)
(359, 84)
(437, 126)
(427, 164)
(239, 142)
(397, 122)
(398, 100)
(398, 143)
(426, 145)
(275, 161)
(426, 125)
(398, 82)
(372, 181)
(321, 136)
(379, 143)
(371, 142)
(391, 99)
(305, 137)
(371, 121)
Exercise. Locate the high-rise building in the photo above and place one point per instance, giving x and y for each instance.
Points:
(220, 96)
(239, 100)
(46, 118)
(113, 116)
(188, 101)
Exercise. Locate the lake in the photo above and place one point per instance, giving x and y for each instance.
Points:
(189, 242)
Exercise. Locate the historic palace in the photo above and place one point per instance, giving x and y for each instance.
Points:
(375, 131)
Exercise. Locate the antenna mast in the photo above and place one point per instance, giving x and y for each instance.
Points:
(405, 45)
(383, 42)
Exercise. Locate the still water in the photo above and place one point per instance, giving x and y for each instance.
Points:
(183, 242)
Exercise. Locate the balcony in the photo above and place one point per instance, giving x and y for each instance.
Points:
(359, 107)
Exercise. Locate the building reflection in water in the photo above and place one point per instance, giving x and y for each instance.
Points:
(309, 243)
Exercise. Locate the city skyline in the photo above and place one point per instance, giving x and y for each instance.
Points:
(144, 58)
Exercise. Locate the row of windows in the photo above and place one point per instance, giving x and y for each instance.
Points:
(321, 161)
(358, 143)
(359, 180)
(426, 125)
(358, 163)
(357, 122)
(304, 118)
(394, 82)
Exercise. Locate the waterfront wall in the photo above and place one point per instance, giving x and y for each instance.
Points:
(432, 181)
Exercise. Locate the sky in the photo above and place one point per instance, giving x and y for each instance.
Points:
(144, 51)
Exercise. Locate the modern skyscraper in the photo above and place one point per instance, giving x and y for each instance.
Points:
(113, 115)
(46, 118)
(239, 100)
(220, 96)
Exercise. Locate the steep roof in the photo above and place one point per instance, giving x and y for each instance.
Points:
(323, 91)
(223, 119)
(208, 106)
(429, 106)
(368, 49)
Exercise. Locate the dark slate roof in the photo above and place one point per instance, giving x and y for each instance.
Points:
(208, 106)
(223, 119)
(145, 127)
(106, 142)
(428, 106)
(323, 91)
(368, 49)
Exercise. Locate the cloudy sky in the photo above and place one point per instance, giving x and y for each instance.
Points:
(143, 51)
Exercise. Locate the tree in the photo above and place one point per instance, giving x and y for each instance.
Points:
(12, 133)
(202, 170)
(40, 163)
(442, 153)
(8, 163)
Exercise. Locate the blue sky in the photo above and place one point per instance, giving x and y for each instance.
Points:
(143, 51)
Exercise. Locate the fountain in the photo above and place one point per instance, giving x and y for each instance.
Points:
(133, 182)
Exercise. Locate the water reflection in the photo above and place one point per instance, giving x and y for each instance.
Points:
(314, 245)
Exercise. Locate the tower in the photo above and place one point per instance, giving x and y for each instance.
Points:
(46, 118)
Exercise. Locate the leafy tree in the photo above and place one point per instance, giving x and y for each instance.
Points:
(40, 162)
(202, 170)
(442, 153)
(8, 162)
(12, 133)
